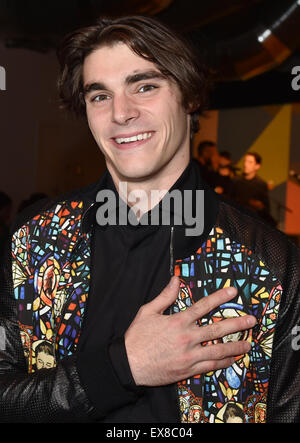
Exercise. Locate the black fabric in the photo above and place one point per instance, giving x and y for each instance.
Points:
(244, 191)
(208, 175)
(131, 266)
(225, 185)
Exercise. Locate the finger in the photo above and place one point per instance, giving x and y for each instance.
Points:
(213, 365)
(214, 355)
(225, 327)
(207, 304)
(166, 298)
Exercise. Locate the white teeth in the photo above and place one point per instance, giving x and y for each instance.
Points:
(134, 138)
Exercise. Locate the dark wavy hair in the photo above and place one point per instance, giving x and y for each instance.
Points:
(149, 39)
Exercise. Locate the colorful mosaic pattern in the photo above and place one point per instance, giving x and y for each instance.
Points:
(51, 273)
(238, 393)
(50, 283)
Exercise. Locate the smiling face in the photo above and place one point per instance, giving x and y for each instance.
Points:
(136, 117)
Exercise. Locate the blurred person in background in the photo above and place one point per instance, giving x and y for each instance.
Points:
(226, 172)
(208, 160)
(250, 190)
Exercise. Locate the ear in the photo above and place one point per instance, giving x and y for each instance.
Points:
(192, 107)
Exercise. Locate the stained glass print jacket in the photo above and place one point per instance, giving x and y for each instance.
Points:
(45, 283)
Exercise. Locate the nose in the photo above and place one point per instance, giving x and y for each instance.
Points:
(124, 109)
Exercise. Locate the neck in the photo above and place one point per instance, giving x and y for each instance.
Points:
(250, 176)
(147, 192)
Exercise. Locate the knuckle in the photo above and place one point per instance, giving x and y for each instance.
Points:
(243, 346)
(224, 363)
(177, 321)
(184, 340)
(213, 331)
(215, 365)
(184, 362)
(181, 367)
(142, 309)
(197, 308)
(211, 301)
(220, 352)
(211, 365)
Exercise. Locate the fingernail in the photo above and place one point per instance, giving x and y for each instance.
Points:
(251, 321)
(231, 291)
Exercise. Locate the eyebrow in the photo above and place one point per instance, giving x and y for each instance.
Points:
(130, 79)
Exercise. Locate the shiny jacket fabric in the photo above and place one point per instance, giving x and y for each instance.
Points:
(44, 293)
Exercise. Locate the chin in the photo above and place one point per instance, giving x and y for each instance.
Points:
(136, 175)
(136, 171)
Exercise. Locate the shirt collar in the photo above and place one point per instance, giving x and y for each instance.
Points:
(190, 180)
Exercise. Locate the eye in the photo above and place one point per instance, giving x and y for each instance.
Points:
(147, 88)
(100, 98)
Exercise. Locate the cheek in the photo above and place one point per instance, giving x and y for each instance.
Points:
(96, 125)
(178, 125)
(174, 120)
(91, 121)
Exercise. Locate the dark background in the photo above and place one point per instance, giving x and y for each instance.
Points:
(224, 32)
(43, 150)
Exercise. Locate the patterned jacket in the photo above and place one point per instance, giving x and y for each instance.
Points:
(45, 288)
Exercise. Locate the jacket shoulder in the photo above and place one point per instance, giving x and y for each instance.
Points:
(270, 244)
(85, 194)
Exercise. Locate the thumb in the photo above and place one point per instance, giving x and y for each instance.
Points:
(167, 296)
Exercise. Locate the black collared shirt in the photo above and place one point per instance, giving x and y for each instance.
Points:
(131, 266)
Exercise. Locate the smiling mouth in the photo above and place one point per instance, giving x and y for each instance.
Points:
(135, 138)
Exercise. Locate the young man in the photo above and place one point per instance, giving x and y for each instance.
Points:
(131, 344)
(250, 190)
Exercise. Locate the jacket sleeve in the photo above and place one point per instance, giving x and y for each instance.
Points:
(57, 394)
(107, 379)
(282, 258)
(284, 389)
(51, 395)
(47, 395)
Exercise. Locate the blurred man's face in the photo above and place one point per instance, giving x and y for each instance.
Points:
(135, 115)
(224, 166)
(250, 167)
